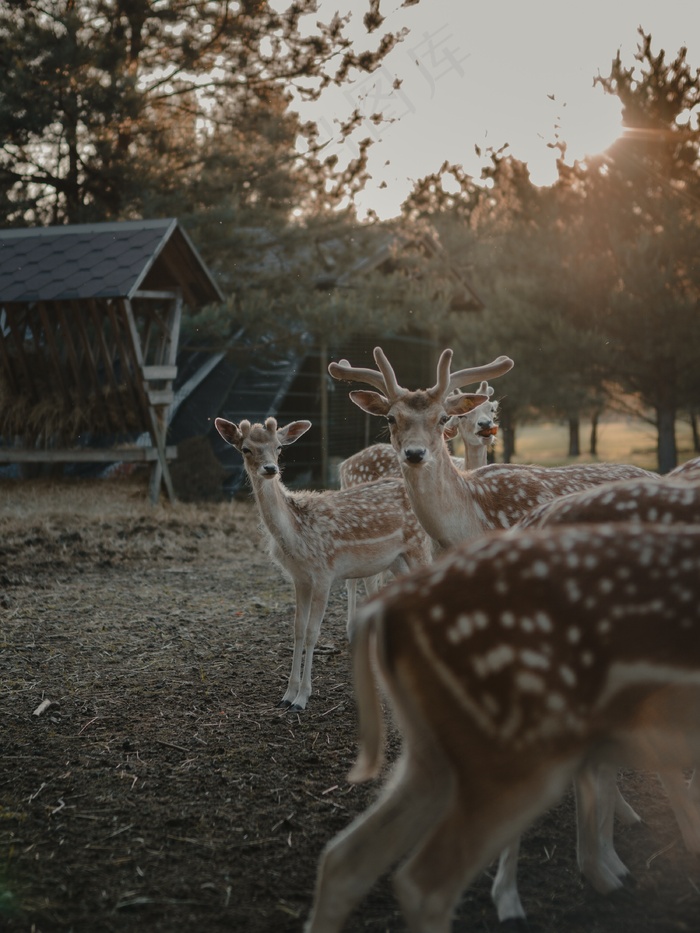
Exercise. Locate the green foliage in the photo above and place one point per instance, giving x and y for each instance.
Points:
(129, 108)
(592, 285)
(330, 276)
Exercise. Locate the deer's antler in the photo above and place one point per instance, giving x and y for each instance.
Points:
(385, 379)
(465, 377)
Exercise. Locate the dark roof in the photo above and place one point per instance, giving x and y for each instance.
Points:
(106, 260)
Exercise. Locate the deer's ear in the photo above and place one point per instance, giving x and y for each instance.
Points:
(450, 430)
(463, 404)
(229, 431)
(292, 431)
(371, 402)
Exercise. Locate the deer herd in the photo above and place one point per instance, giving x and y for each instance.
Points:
(542, 630)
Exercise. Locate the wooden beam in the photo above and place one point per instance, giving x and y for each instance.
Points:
(157, 426)
(151, 294)
(85, 455)
(160, 396)
(159, 372)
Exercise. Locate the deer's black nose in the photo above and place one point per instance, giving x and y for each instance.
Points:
(415, 454)
(270, 468)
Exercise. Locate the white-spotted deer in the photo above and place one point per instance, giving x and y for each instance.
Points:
(454, 505)
(673, 499)
(478, 431)
(665, 500)
(321, 537)
(477, 428)
(689, 470)
(512, 666)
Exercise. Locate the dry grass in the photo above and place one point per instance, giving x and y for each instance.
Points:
(623, 441)
(92, 501)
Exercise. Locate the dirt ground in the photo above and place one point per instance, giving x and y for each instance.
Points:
(162, 790)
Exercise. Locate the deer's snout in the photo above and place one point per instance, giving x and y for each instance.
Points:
(415, 454)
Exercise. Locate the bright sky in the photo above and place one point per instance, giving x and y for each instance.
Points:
(484, 73)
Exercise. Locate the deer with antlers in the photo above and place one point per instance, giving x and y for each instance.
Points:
(321, 537)
(513, 665)
(477, 429)
(454, 505)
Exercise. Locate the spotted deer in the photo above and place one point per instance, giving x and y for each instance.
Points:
(513, 665)
(689, 470)
(454, 505)
(318, 538)
(477, 429)
(664, 500)
(668, 500)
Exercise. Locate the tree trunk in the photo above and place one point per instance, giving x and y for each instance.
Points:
(507, 428)
(666, 444)
(593, 439)
(574, 436)
(696, 431)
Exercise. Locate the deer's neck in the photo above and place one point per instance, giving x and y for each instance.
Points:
(443, 500)
(475, 455)
(276, 510)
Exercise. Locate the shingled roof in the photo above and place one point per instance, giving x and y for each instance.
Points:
(103, 260)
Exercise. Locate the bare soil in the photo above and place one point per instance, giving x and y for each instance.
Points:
(163, 790)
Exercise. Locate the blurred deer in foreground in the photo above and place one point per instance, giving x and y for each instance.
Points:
(513, 665)
(454, 505)
(321, 537)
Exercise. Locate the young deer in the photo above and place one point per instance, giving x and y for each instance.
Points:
(478, 429)
(512, 665)
(321, 537)
(454, 505)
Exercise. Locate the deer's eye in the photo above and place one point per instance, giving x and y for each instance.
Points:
(444, 419)
(390, 419)
(279, 447)
(246, 451)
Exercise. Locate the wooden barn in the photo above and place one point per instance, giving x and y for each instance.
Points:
(89, 327)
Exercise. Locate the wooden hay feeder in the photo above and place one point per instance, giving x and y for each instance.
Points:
(89, 327)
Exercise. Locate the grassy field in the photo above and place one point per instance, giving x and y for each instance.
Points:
(622, 441)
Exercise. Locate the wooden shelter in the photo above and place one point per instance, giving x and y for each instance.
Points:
(89, 326)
